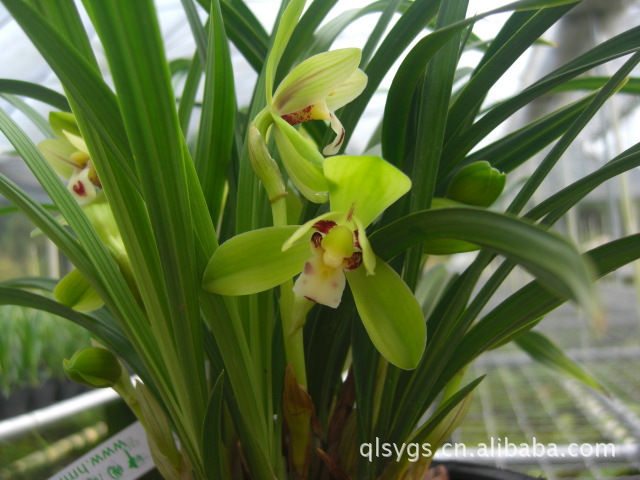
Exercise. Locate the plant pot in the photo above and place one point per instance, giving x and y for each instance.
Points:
(472, 471)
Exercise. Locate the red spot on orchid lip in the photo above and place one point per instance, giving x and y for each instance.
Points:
(324, 226)
(316, 239)
(308, 268)
(353, 262)
(300, 116)
(79, 189)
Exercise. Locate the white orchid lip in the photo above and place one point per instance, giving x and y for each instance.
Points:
(334, 248)
(82, 187)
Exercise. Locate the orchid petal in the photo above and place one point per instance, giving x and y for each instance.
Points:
(287, 24)
(76, 141)
(74, 291)
(390, 313)
(315, 79)
(58, 154)
(368, 257)
(63, 121)
(304, 147)
(348, 91)
(304, 229)
(336, 126)
(254, 261)
(364, 186)
(299, 158)
(320, 283)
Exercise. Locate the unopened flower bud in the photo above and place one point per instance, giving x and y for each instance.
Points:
(264, 166)
(93, 366)
(477, 184)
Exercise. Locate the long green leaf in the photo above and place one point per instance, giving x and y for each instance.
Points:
(329, 31)
(199, 33)
(560, 202)
(63, 15)
(437, 428)
(106, 331)
(37, 283)
(515, 38)
(105, 272)
(327, 336)
(543, 350)
(92, 258)
(247, 34)
(458, 146)
(544, 168)
(523, 309)
(516, 148)
(35, 91)
(416, 18)
(554, 208)
(99, 119)
(189, 92)
(552, 259)
(131, 36)
(212, 446)
(81, 79)
(302, 35)
(37, 119)
(244, 29)
(217, 120)
(594, 83)
(379, 30)
(432, 116)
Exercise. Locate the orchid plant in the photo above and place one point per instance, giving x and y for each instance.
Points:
(213, 243)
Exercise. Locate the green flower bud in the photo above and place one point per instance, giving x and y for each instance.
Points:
(264, 166)
(477, 184)
(93, 366)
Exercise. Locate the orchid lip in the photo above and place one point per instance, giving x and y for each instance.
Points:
(300, 116)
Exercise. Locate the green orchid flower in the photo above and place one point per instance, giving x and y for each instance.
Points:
(330, 251)
(313, 90)
(74, 290)
(319, 86)
(69, 157)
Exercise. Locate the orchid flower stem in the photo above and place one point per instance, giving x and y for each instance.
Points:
(292, 333)
(126, 391)
(293, 340)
